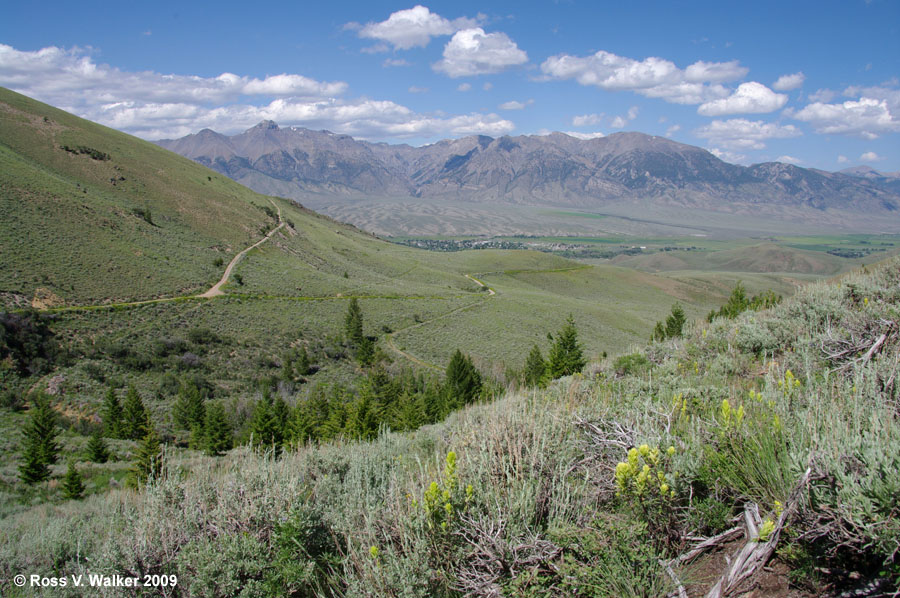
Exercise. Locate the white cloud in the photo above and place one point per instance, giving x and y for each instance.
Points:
(464, 87)
(789, 160)
(586, 120)
(474, 52)
(413, 27)
(515, 105)
(487, 86)
(71, 78)
(727, 156)
(652, 77)
(633, 112)
(714, 72)
(672, 130)
(822, 95)
(414, 89)
(789, 82)
(867, 117)
(618, 122)
(396, 62)
(870, 157)
(750, 97)
(739, 133)
(842, 159)
(584, 136)
(153, 106)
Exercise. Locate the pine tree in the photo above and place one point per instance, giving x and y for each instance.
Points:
(365, 352)
(96, 448)
(659, 332)
(462, 382)
(134, 415)
(287, 367)
(353, 323)
(112, 415)
(40, 449)
(217, 430)
(265, 430)
(675, 322)
(565, 356)
(535, 368)
(148, 457)
(302, 363)
(73, 483)
(148, 461)
(189, 412)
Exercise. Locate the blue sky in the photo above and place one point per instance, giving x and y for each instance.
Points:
(814, 83)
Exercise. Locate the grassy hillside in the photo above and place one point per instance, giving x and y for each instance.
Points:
(587, 488)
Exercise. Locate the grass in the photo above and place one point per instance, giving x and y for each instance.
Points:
(534, 507)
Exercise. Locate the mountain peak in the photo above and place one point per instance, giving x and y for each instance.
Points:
(266, 125)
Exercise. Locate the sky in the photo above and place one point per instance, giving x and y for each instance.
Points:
(815, 84)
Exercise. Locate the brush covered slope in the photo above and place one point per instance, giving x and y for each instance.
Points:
(593, 486)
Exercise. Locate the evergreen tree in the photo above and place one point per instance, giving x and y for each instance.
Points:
(281, 413)
(112, 415)
(565, 356)
(287, 367)
(40, 449)
(96, 448)
(535, 368)
(265, 429)
(148, 457)
(675, 322)
(302, 363)
(73, 483)
(189, 411)
(217, 430)
(462, 382)
(659, 332)
(353, 323)
(365, 352)
(134, 415)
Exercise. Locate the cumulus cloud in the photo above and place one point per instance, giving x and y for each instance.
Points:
(842, 159)
(474, 52)
(870, 157)
(464, 87)
(586, 120)
(789, 82)
(789, 160)
(822, 95)
(751, 97)
(396, 62)
(71, 78)
(739, 133)
(515, 105)
(153, 106)
(413, 27)
(672, 130)
(867, 117)
(652, 77)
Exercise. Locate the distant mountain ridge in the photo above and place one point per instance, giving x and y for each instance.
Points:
(553, 169)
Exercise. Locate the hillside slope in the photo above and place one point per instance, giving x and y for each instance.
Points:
(590, 487)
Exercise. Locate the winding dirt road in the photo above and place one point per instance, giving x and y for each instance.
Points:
(216, 289)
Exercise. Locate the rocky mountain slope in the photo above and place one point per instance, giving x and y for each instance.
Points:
(550, 169)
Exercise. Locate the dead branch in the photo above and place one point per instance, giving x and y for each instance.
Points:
(707, 544)
(681, 593)
(754, 554)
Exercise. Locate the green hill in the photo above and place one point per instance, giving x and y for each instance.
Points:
(604, 484)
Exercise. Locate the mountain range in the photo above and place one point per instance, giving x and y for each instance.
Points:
(554, 169)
